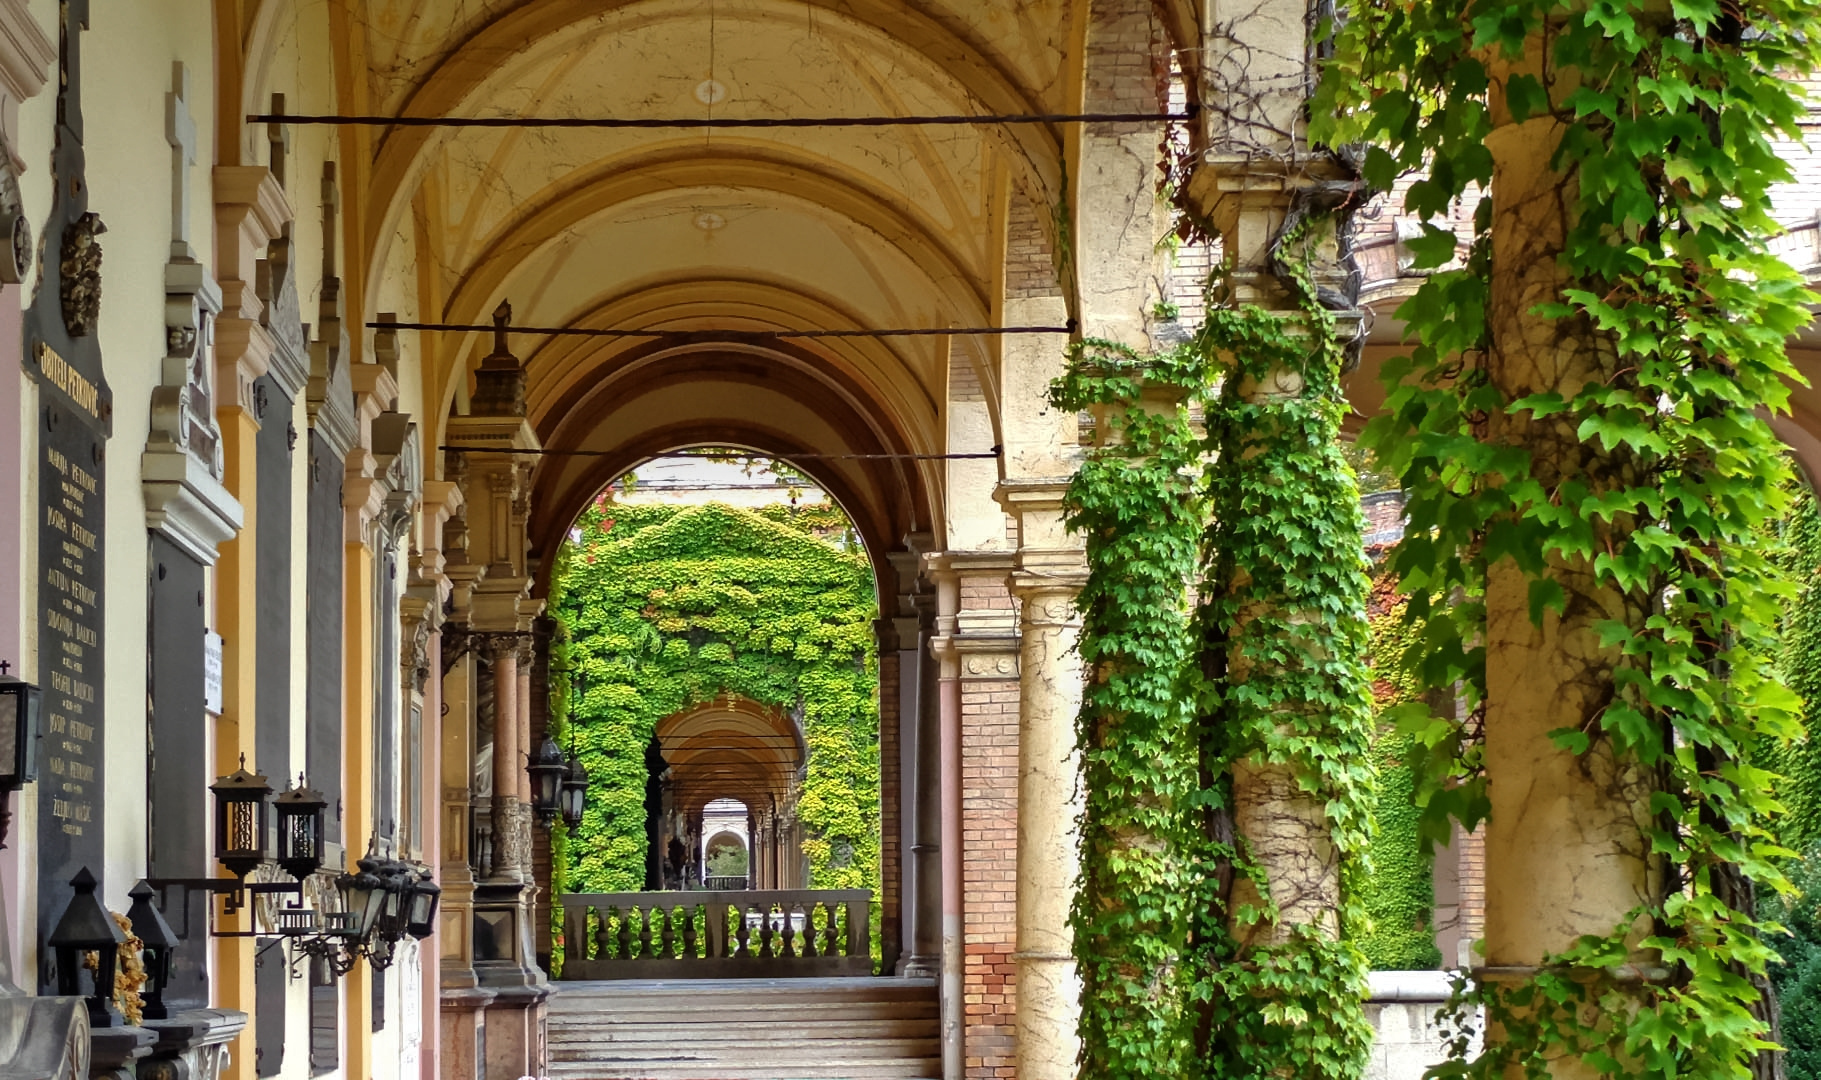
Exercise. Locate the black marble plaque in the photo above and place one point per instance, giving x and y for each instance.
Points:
(272, 558)
(75, 417)
(322, 639)
(178, 764)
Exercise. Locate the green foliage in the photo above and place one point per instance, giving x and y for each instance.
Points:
(1183, 974)
(1398, 891)
(669, 607)
(1135, 502)
(1667, 471)
(1283, 625)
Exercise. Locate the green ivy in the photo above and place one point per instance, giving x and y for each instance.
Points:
(1283, 628)
(1666, 116)
(1398, 895)
(669, 607)
(1135, 501)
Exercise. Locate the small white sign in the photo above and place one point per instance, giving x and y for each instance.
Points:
(211, 672)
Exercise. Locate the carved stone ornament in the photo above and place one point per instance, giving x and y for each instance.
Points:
(989, 665)
(18, 227)
(81, 274)
(417, 654)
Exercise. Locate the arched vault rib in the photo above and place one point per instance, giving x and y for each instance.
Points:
(460, 77)
(593, 193)
(630, 414)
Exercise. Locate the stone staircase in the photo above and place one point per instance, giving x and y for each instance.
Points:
(745, 1029)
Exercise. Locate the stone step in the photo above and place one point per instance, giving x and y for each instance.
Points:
(743, 1050)
(745, 1029)
(827, 1070)
(619, 1030)
(719, 1012)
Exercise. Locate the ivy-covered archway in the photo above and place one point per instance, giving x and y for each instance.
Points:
(666, 607)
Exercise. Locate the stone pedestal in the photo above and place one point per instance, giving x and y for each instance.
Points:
(114, 1053)
(193, 1045)
(463, 1034)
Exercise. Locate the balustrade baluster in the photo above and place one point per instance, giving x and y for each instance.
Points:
(667, 939)
(575, 933)
(742, 932)
(603, 945)
(834, 916)
(859, 934)
(765, 930)
(689, 932)
(645, 932)
(625, 935)
(788, 913)
(809, 930)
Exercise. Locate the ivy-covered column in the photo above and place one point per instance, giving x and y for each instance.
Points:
(1568, 850)
(1286, 717)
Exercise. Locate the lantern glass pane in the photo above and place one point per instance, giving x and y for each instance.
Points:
(12, 720)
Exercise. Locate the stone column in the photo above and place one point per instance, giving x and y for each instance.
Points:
(1566, 846)
(1046, 577)
(523, 738)
(507, 866)
(918, 672)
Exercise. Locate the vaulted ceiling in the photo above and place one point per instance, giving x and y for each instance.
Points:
(753, 228)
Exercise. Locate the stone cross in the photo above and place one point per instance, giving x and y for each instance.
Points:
(180, 132)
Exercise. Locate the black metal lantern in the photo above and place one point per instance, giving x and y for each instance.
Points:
(159, 941)
(300, 828)
(363, 894)
(87, 927)
(399, 879)
(18, 731)
(547, 770)
(420, 915)
(241, 808)
(575, 792)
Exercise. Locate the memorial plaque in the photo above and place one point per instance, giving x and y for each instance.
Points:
(75, 417)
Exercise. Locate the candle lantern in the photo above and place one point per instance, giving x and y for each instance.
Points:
(159, 943)
(84, 928)
(241, 809)
(300, 829)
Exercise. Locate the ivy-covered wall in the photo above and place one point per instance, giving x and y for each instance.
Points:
(1397, 887)
(1798, 977)
(665, 607)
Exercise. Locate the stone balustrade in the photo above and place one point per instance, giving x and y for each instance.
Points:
(717, 934)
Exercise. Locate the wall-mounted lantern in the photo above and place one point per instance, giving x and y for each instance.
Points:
(575, 792)
(548, 767)
(426, 894)
(300, 829)
(18, 731)
(159, 943)
(84, 928)
(241, 820)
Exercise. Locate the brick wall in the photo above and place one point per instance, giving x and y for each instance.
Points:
(1030, 262)
(989, 870)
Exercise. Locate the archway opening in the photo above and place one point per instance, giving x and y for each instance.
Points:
(717, 672)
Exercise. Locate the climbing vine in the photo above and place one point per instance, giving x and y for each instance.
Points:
(1135, 500)
(1226, 747)
(1287, 720)
(1640, 492)
(667, 607)
(1398, 896)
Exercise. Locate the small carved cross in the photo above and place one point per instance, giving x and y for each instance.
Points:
(4, 668)
(180, 132)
